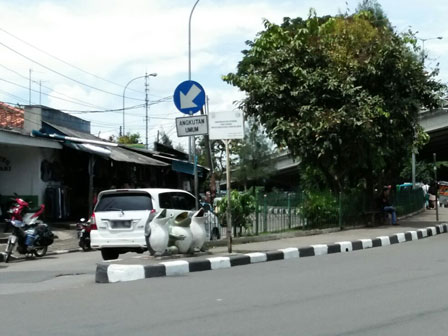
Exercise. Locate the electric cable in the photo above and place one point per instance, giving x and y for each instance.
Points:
(67, 100)
(62, 61)
(46, 87)
(65, 76)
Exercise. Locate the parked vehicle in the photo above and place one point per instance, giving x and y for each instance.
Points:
(31, 239)
(20, 210)
(83, 228)
(29, 234)
(121, 219)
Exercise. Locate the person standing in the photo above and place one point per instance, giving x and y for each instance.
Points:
(425, 188)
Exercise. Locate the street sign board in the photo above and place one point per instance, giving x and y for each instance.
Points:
(226, 125)
(189, 97)
(190, 126)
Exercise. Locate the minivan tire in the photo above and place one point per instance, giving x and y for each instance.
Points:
(109, 254)
(215, 234)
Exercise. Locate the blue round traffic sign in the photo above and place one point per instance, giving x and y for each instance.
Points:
(189, 97)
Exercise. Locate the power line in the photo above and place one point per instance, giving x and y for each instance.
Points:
(62, 61)
(46, 87)
(16, 97)
(102, 111)
(67, 100)
(65, 76)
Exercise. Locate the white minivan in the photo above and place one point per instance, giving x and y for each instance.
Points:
(120, 217)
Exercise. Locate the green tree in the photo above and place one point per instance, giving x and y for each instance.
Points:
(341, 93)
(242, 205)
(129, 139)
(165, 139)
(255, 161)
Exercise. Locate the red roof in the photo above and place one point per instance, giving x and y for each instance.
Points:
(10, 116)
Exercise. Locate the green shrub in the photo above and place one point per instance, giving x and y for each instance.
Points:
(320, 209)
(242, 206)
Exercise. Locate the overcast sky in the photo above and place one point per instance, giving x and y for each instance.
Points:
(81, 53)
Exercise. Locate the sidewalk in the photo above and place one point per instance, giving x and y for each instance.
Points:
(67, 241)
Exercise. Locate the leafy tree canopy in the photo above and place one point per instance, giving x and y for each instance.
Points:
(127, 139)
(341, 93)
(255, 161)
(165, 139)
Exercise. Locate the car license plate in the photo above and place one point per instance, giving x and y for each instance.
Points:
(120, 224)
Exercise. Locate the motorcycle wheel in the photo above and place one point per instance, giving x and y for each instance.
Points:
(40, 251)
(85, 245)
(8, 253)
(8, 250)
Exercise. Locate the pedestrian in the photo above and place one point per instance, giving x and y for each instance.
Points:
(386, 204)
(432, 196)
(425, 188)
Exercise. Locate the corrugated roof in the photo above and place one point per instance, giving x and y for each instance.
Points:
(116, 153)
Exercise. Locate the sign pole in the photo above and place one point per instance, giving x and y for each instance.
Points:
(229, 215)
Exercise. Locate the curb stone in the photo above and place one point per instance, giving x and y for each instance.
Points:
(109, 273)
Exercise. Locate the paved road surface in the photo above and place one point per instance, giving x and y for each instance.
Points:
(394, 290)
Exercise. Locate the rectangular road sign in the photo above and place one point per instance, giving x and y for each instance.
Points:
(190, 126)
(226, 125)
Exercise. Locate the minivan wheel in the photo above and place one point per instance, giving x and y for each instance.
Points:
(215, 234)
(109, 254)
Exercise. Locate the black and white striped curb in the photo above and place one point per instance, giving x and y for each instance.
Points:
(106, 273)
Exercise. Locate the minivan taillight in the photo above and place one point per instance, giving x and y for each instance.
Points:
(93, 222)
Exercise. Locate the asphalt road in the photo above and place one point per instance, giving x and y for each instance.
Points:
(394, 290)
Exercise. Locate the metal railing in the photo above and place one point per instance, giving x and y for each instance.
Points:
(279, 212)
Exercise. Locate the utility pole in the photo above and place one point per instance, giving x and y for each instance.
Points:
(192, 142)
(30, 88)
(437, 187)
(146, 107)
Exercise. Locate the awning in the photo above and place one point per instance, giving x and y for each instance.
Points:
(109, 152)
(8, 137)
(183, 166)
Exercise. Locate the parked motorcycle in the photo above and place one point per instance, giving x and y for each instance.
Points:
(84, 229)
(31, 236)
(20, 210)
(30, 239)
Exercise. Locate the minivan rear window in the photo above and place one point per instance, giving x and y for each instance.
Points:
(125, 201)
(177, 200)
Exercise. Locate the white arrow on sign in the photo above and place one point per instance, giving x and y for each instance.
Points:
(186, 100)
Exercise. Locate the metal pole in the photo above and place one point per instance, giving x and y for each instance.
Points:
(124, 90)
(413, 168)
(30, 88)
(189, 41)
(341, 227)
(195, 171)
(191, 142)
(146, 110)
(437, 187)
(229, 215)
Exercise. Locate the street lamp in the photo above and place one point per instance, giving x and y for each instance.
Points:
(423, 44)
(146, 76)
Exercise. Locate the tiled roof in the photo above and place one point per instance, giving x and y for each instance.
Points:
(10, 116)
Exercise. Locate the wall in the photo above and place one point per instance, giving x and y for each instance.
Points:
(24, 176)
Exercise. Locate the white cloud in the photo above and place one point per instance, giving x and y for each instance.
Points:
(120, 40)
